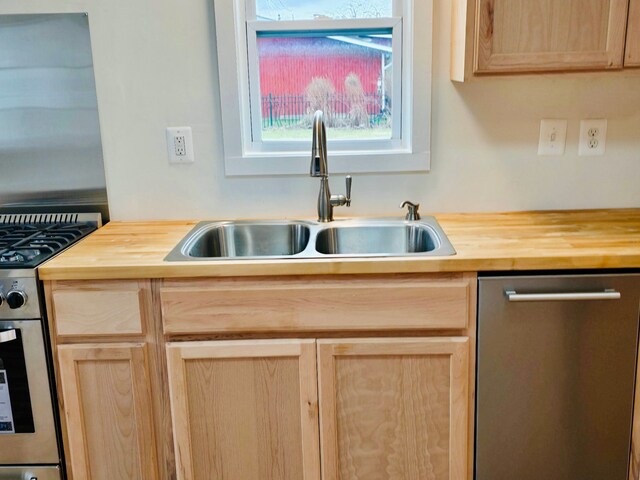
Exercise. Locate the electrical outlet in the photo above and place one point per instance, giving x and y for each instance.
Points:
(180, 145)
(553, 136)
(180, 148)
(593, 137)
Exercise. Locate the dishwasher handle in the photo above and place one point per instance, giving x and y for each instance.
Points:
(608, 294)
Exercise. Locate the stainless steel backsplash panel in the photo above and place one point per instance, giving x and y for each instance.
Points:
(50, 146)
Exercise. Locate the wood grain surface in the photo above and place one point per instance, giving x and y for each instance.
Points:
(462, 39)
(524, 36)
(632, 54)
(394, 409)
(245, 410)
(483, 241)
(99, 308)
(319, 303)
(108, 411)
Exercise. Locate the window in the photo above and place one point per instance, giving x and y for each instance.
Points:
(362, 62)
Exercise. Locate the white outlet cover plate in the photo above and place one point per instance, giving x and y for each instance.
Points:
(553, 137)
(593, 138)
(172, 133)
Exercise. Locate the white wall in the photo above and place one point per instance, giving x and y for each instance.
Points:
(155, 63)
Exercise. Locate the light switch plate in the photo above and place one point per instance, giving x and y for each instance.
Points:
(593, 137)
(553, 137)
(180, 145)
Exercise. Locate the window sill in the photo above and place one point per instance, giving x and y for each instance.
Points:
(295, 163)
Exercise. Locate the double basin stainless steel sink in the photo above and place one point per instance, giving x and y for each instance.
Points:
(295, 239)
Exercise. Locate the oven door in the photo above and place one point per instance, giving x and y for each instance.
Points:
(27, 428)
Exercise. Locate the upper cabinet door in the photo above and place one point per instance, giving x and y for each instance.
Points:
(394, 409)
(245, 409)
(632, 57)
(554, 35)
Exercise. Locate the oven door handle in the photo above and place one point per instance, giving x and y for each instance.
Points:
(7, 336)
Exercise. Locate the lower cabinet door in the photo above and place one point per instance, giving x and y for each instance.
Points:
(108, 412)
(245, 410)
(394, 409)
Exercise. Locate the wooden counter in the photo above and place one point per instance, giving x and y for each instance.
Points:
(484, 242)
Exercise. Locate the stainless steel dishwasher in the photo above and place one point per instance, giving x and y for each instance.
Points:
(556, 376)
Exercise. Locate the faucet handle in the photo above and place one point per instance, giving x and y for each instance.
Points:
(412, 214)
(340, 200)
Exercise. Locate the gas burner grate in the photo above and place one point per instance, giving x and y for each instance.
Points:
(26, 245)
(53, 243)
(22, 255)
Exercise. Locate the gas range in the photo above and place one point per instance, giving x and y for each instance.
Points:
(29, 436)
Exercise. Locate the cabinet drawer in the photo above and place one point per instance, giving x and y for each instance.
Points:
(397, 302)
(98, 308)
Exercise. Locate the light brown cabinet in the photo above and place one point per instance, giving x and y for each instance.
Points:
(245, 409)
(632, 54)
(107, 411)
(154, 382)
(390, 409)
(517, 36)
(394, 409)
(106, 369)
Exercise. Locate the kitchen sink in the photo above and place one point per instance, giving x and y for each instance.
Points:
(382, 239)
(247, 239)
(298, 239)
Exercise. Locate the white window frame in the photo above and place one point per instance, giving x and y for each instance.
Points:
(407, 150)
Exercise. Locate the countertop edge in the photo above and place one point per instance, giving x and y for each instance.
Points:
(340, 267)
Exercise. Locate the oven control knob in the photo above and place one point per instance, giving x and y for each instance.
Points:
(16, 298)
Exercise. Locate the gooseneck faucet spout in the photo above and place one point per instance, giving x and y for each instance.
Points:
(319, 147)
(319, 168)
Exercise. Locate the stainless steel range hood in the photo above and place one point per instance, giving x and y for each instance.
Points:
(50, 147)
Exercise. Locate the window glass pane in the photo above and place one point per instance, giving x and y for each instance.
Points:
(348, 76)
(324, 9)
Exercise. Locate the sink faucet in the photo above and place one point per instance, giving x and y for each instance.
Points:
(319, 168)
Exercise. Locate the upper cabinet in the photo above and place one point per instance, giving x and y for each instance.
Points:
(525, 36)
(632, 54)
(518, 36)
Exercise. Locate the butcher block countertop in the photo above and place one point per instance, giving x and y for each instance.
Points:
(585, 239)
